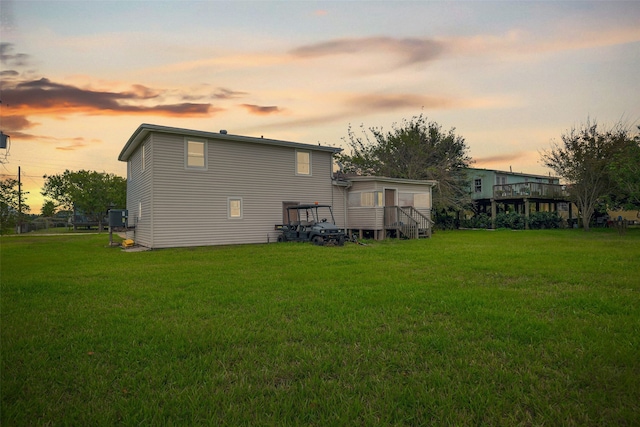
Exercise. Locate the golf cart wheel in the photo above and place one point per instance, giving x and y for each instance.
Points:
(317, 240)
(281, 238)
(341, 241)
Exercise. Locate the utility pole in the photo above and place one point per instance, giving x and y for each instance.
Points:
(19, 203)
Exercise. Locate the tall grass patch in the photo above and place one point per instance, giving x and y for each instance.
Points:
(466, 328)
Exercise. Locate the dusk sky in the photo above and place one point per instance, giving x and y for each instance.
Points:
(79, 77)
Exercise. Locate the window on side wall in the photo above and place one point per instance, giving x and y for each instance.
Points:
(234, 207)
(303, 162)
(367, 199)
(421, 200)
(196, 154)
(371, 198)
(143, 164)
(478, 185)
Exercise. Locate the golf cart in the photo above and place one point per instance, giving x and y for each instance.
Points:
(311, 223)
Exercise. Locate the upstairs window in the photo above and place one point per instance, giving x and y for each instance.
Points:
(303, 162)
(196, 155)
(478, 185)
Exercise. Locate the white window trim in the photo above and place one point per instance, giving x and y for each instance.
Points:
(477, 188)
(229, 200)
(143, 162)
(310, 163)
(186, 154)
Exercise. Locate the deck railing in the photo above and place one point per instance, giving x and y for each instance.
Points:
(424, 222)
(533, 190)
(407, 221)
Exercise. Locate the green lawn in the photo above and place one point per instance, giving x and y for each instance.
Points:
(467, 328)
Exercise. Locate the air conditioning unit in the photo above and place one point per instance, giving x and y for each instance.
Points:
(118, 217)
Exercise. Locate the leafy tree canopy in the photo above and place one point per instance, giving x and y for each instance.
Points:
(625, 174)
(10, 205)
(91, 192)
(48, 209)
(414, 149)
(594, 162)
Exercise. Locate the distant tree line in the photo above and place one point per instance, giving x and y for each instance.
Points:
(601, 166)
(89, 192)
(12, 204)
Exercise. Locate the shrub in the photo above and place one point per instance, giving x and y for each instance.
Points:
(477, 221)
(444, 221)
(512, 220)
(542, 220)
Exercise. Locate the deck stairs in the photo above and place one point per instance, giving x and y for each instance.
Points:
(407, 222)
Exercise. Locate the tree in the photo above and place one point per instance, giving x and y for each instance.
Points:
(416, 149)
(93, 193)
(625, 173)
(47, 211)
(11, 204)
(584, 160)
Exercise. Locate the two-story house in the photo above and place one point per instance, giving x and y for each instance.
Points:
(496, 191)
(198, 188)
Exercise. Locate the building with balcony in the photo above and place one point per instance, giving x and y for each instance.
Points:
(496, 191)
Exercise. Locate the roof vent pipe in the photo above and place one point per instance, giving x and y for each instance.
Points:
(223, 131)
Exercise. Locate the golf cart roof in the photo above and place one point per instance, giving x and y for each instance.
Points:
(308, 206)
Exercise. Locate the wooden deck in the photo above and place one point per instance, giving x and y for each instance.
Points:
(406, 222)
(530, 190)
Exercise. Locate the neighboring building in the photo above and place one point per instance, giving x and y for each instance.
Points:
(381, 207)
(496, 191)
(196, 188)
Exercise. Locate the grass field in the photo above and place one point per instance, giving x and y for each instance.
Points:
(467, 328)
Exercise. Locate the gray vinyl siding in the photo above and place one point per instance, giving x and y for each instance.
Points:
(339, 204)
(372, 218)
(190, 206)
(139, 190)
(365, 217)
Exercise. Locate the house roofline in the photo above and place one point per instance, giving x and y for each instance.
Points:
(144, 129)
(432, 183)
(514, 173)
